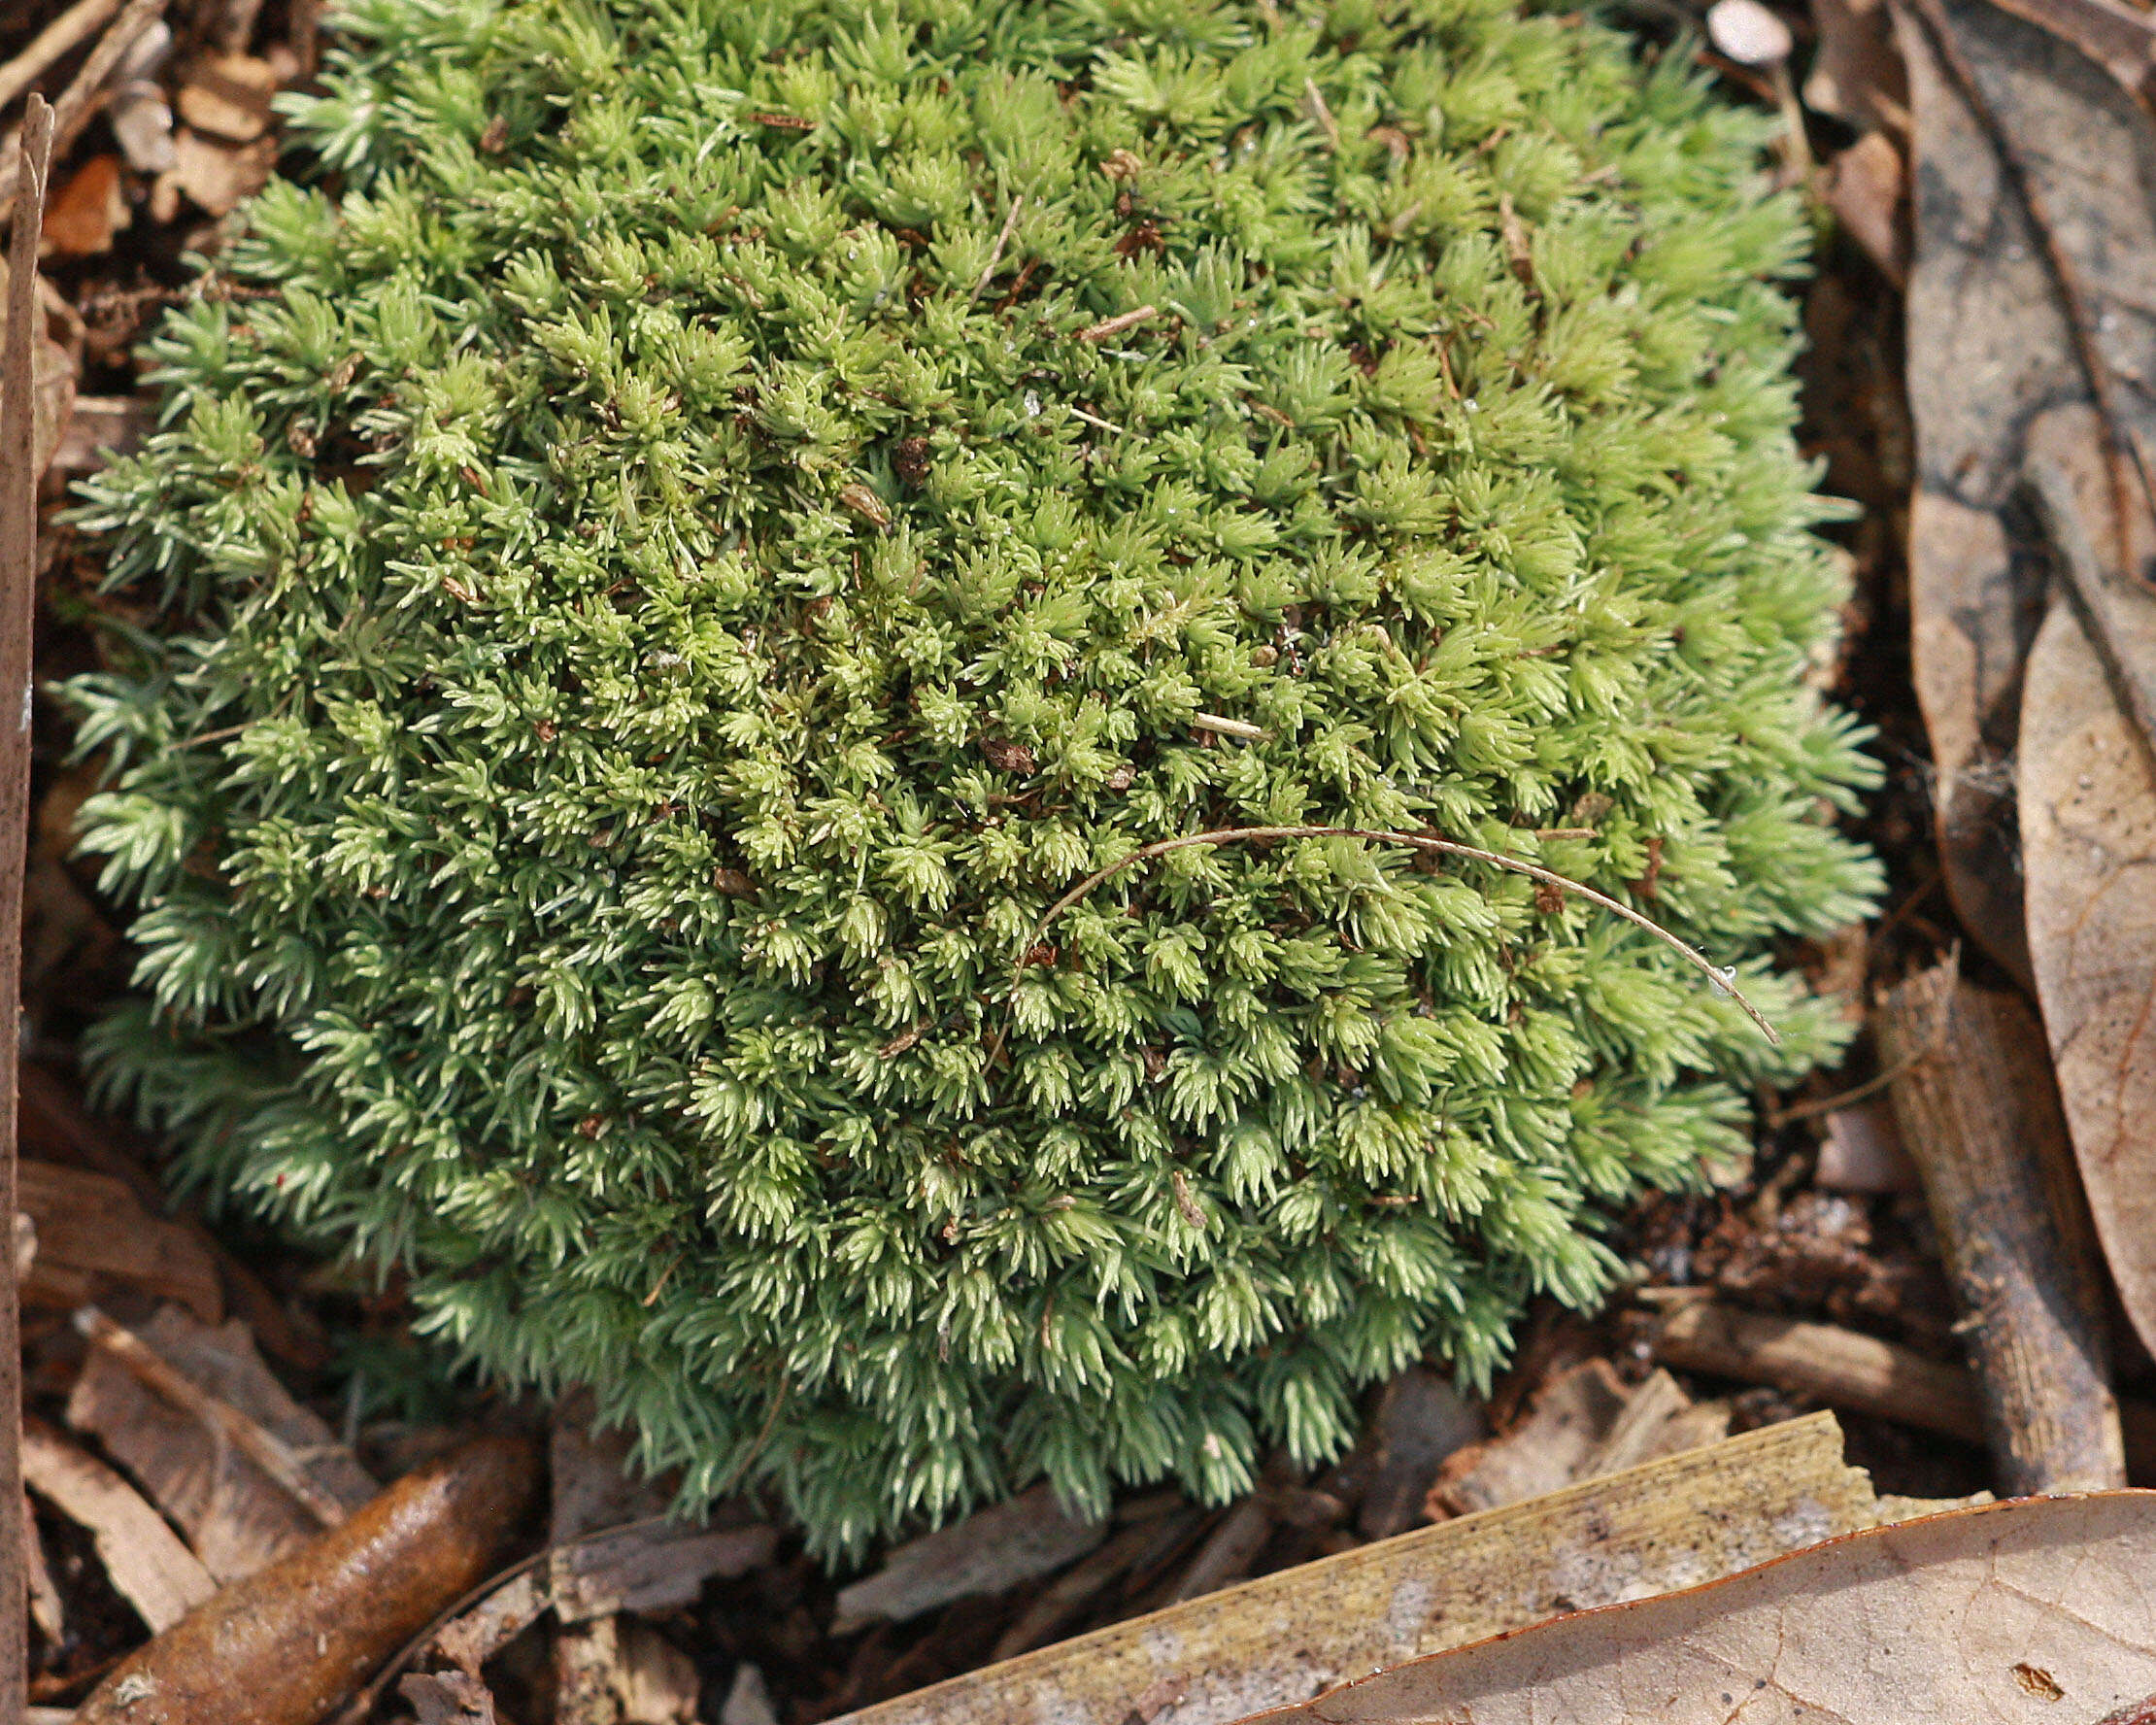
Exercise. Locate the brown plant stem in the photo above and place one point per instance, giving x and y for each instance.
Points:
(18, 579)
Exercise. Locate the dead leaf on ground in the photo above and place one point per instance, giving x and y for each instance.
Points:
(216, 176)
(81, 216)
(2088, 823)
(236, 1516)
(1285, 1636)
(148, 1564)
(1865, 188)
(2019, 510)
(1994, 1613)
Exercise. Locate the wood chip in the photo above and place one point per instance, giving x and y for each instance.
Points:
(228, 96)
(1014, 1542)
(209, 1477)
(145, 1561)
(93, 1236)
(47, 1608)
(218, 177)
(470, 1640)
(1863, 1152)
(652, 1568)
(749, 1700)
(1570, 1420)
(616, 1670)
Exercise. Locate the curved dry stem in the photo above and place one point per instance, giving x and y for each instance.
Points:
(1443, 847)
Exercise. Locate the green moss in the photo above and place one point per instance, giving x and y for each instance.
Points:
(682, 545)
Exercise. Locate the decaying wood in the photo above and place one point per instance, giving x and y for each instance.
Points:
(283, 1647)
(1275, 1641)
(1841, 1367)
(2034, 1609)
(1014, 1542)
(92, 1232)
(261, 1446)
(18, 570)
(1981, 1115)
(144, 1559)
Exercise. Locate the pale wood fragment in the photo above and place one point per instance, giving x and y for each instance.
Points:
(148, 1564)
(1281, 1638)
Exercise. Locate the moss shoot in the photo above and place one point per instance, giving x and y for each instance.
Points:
(696, 520)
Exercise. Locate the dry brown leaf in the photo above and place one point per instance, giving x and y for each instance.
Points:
(92, 1234)
(1572, 1417)
(1014, 1542)
(2088, 820)
(216, 176)
(145, 1560)
(2001, 1613)
(236, 1516)
(83, 216)
(2020, 493)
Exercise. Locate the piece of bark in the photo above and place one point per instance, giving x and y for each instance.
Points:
(51, 385)
(1658, 1420)
(144, 1559)
(457, 1698)
(194, 1429)
(1572, 1417)
(92, 1234)
(1227, 1553)
(228, 96)
(649, 1565)
(468, 1641)
(1838, 1367)
(1281, 1637)
(1981, 1115)
(1003, 1547)
(48, 1611)
(1136, 1547)
(616, 1670)
(285, 1645)
(652, 1568)
(1421, 1421)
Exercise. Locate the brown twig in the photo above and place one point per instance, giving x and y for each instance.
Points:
(218, 1416)
(52, 45)
(995, 251)
(1442, 847)
(18, 581)
(79, 103)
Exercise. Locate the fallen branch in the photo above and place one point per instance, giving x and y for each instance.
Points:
(1980, 1112)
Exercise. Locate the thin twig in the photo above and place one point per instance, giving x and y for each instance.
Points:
(1723, 980)
(1108, 326)
(995, 251)
(79, 103)
(218, 1416)
(52, 45)
(19, 583)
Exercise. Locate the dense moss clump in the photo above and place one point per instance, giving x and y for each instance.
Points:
(710, 515)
